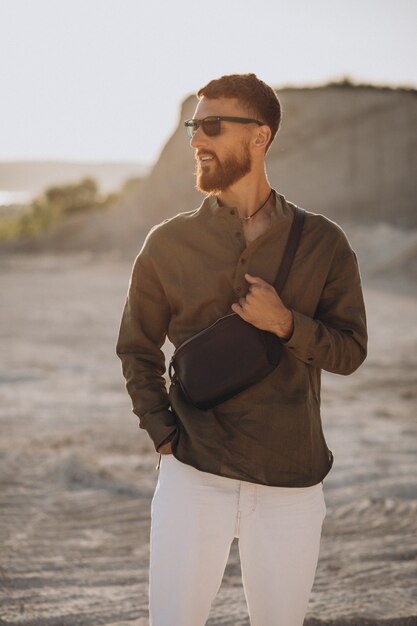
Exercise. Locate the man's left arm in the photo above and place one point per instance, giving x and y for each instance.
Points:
(335, 339)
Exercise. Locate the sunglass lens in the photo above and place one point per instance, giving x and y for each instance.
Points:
(211, 126)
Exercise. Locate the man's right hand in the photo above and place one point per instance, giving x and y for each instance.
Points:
(165, 449)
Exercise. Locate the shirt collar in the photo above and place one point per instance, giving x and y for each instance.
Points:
(215, 208)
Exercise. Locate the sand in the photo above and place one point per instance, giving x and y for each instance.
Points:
(77, 475)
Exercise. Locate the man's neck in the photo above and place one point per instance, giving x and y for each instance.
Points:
(247, 195)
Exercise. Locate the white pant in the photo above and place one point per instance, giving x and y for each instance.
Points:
(194, 518)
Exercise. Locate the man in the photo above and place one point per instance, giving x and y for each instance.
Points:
(253, 466)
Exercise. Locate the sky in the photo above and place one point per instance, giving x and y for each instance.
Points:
(103, 80)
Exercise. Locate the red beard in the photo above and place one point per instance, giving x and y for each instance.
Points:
(218, 177)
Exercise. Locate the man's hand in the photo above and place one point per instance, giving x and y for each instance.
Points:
(263, 308)
(165, 449)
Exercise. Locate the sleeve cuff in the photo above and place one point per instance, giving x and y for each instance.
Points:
(300, 340)
(158, 426)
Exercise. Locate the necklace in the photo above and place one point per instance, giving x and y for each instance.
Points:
(245, 219)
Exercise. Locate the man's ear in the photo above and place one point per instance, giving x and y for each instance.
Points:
(263, 135)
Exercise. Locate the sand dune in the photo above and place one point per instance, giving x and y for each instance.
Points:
(77, 476)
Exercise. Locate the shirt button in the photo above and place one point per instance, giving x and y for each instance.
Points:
(310, 358)
(243, 261)
(232, 212)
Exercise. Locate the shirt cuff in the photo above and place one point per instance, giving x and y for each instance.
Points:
(168, 439)
(158, 426)
(299, 342)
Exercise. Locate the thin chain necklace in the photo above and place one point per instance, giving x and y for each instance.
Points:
(245, 219)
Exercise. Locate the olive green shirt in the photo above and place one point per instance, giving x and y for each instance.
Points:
(188, 273)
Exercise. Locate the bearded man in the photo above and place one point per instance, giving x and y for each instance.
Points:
(251, 467)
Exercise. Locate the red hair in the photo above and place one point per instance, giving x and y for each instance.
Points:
(258, 98)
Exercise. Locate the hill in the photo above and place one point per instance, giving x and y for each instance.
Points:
(346, 151)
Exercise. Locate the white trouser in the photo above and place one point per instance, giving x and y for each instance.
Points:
(194, 518)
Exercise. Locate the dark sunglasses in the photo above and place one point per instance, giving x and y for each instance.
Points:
(211, 124)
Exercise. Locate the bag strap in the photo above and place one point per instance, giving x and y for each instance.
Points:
(290, 248)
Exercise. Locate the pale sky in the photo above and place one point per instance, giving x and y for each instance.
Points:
(104, 79)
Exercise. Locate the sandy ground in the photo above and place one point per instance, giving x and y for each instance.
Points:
(77, 475)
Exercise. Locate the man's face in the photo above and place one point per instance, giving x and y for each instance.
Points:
(224, 159)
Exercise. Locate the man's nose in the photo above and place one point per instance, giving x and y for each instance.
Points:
(199, 139)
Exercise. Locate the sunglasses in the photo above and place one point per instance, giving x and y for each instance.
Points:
(211, 124)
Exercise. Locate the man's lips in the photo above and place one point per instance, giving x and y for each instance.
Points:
(204, 157)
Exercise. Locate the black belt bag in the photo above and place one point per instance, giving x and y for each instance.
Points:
(231, 355)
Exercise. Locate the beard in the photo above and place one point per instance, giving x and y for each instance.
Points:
(217, 177)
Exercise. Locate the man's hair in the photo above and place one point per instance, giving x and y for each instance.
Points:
(258, 98)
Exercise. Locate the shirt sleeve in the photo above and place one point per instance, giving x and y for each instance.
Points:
(142, 333)
(336, 338)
